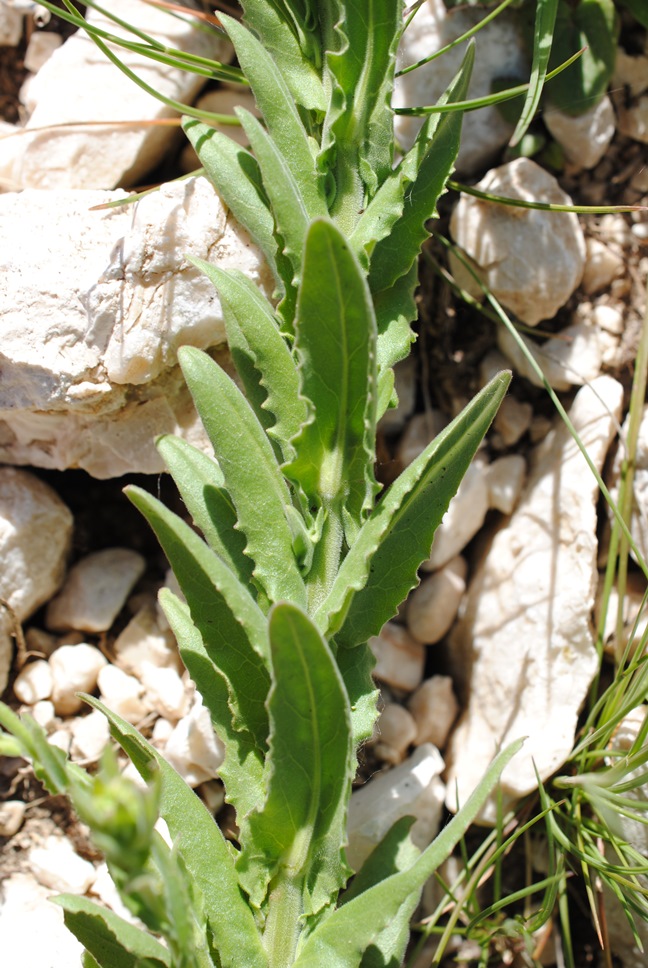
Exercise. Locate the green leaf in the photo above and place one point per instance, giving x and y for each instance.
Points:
(542, 40)
(232, 626)
(200, 482)
(252, 475)
(335, 334)
(393, 255)
(299, 833)
(277, 35)
(235, 174)
(381, 567)
(242, 769)
(638, 9)
(358, 134)
(341, 940)
(261, 355)
(395, 309)
(591, 24)
(356, 666)
(279, 111)
(204, 850)
(49, 762)
(111, 941)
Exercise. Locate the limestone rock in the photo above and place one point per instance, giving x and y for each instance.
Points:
(142, 643)
(585, 137)
(412, 789)
(74, 668)
(512, 420)
(633, 121)
(434, 708)
(525, 637)
(104, 157)
(630, 72)
(31, 925)
(572, 358)
(90, 736)
(12, 814)
(95, 591)
(33, 682)
(56, 865)
(499, 53)
(89, 364)
(396, 731)
(11, 26)
(602, 265)
(505, 477)
(399, 657)
(462, 520)
(530, 260)
(193, 749)
(433, 606)
(40, 48)
(35, 534)
(639, 520)
(123, 694)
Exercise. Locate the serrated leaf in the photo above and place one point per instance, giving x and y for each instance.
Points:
(356, 667)
(112, 941)
(242, 769)
(235, 174)
(335, 334)
(542, 41)
(261, 355)
(358, 135)
(252, 475)
(204, 850)
(395, 309)
(394, 255)
(280, 114)
(200, 482)
(381, 567)
(301, 828)
(275, 31)
(232, 626)
(341, 940)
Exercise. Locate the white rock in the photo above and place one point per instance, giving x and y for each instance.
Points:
(162, 729)
(602, 265)
(634, 616)
(633, 121)
(420, 430)
(35, 534)
(89, 372)
(31, 925)
(433, 606)
(74, 668)
(193, 749)
(504, 478)
(571, 359)
(12, 814)
(95, 591)
(434, 708)
(90, 736)
(11, 26)
(531, 260)
(631, 72)
(165, 691)
(33, 682)
(142, 644)
(103, 157)
(499, 53)
(462, 520)
(44, 714)
(396, 731)
(526, 625)
(584, 137)
(123, 694)
(104, 888)
(639, 520)
(40, 48)
(412, 789)
(512, 420)
(399, 657)
(221, 101)
(56, 865)
(61, 738)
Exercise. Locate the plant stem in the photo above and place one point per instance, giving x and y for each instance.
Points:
(283, 923)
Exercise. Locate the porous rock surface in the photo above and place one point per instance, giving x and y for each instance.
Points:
(531, 260)
(114, 154)
(35, 535)
(525, 636)
(94, 306)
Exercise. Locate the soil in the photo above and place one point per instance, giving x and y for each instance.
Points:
(452, 340)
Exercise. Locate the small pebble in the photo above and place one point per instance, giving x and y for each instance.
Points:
(602, 265)
(90, 736)
(33, 682)
(44, 714)
(463, 519)
(399, 657)
(40, 642)
(504, 479)
(40, 48)
(420, 430)
(95, 591)
(193, 749)
(12, 814)
(396, 731)
(123, 694)
(74, 669)
(512, 420)
(56, 865)
(142, 643)
(433, 606)
(434, 708)
(165, 691)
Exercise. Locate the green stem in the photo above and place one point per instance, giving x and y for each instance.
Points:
(283, 923)
(326, 558)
